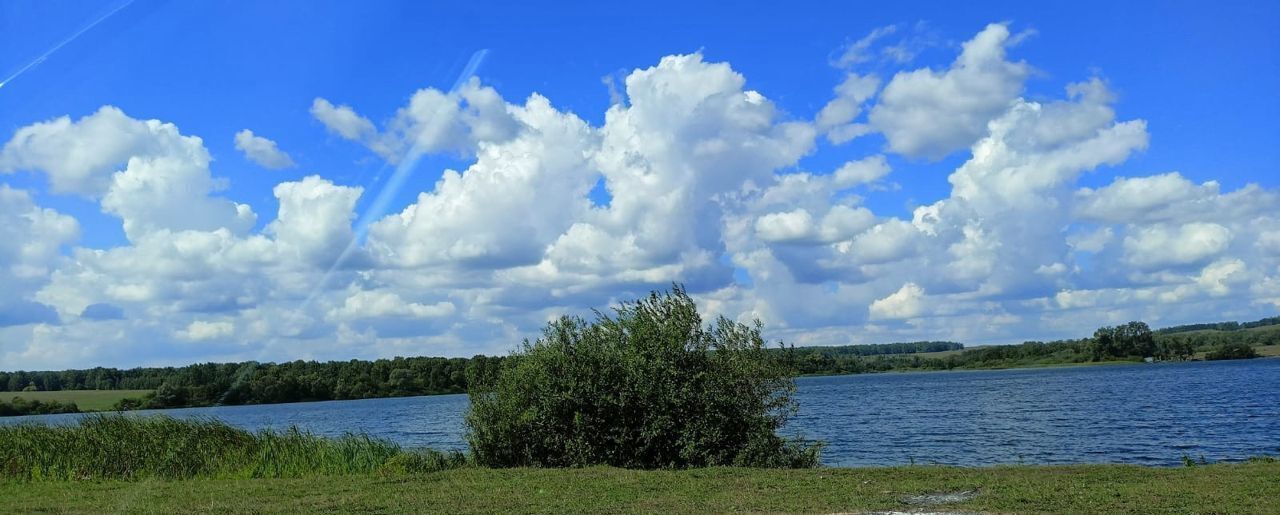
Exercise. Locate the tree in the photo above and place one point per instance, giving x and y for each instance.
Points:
(648, 387)
(1103, 344)
(1174, 349)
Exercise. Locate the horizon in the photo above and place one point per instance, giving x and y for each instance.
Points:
(273, 185)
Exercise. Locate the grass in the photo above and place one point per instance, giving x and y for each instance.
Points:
(1268, 350)
(1235, 488)
(86, 400)
(133, 448)
(110, 463)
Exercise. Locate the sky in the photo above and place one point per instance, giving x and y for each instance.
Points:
(223, 181)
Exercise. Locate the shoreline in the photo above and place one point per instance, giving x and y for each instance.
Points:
(798, 377)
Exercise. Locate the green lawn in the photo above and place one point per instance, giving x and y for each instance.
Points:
(86, 400)
(1240, 488)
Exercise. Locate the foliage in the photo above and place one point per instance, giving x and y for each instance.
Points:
(125, 447)
(22, 406)
(649, 387)
(880, 349)
(251, 382)
(1175, 349)
(1133, 339)
(1220, 326)
(1231, 350)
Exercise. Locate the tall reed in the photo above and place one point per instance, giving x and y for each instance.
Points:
(128, 447)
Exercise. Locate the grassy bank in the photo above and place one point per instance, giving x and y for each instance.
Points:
(113, 463)
(158, 447)
(86, 400)
(1239, 488)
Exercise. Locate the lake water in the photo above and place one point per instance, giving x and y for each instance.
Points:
(1142, 414)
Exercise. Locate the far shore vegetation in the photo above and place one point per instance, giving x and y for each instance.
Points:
(218, 384)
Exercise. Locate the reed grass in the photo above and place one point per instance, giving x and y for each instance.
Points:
(126, 447)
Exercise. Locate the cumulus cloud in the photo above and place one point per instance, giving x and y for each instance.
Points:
(342, 120)
(931, 113)
(1187, 244)
(707, 186)
(835, 117)
(262, 151)
(200, 330)
(907, 302)
(377, 304)
(434, 121)
(165, 182)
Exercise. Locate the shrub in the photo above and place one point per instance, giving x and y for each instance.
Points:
(648, 387)
(1231, 350)
(20, 406)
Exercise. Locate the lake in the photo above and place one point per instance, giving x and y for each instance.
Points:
(1148, 414)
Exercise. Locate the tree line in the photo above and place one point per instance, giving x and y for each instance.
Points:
(251, 382)
(1220, 326)
(1132, 341)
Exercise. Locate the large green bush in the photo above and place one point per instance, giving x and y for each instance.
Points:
(648, 387)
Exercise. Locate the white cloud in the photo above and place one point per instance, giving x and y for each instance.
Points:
(1218, 277)
(200, 330)
(835, 117)
(262, 151)
(705, 185)
(860, 51)
(165, 183)
(788, 226)
(927, 113)
(1145, 199)
(1162, 246)
(863, 171)
(80, 157)
(314, 221)
(342, 120)
(434, 121)
(907, 302)
(376, 304)
(31, 238)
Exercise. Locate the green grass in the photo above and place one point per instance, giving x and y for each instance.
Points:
(1268, 350)
(86, 400)
(1238, 488)
(114, 463)
(127, 447)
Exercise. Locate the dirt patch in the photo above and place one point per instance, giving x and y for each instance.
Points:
(940, 498)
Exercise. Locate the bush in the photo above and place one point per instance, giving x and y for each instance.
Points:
(1231, 350)
(20, 406)
(649, 387)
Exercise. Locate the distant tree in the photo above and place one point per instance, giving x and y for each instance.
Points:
(1103, 344)
(1174, 349)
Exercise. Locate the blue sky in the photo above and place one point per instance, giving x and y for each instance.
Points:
(1202, 76)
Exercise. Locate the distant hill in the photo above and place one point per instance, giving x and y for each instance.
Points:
(1220, 326)
(881, 349)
